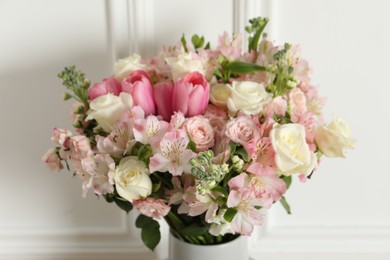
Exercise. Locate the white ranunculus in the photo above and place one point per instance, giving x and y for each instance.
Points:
(248, 97)
(132, 179)
(335, 138)
(124, 67)
(108, 109)
(184, 64)
(292, 153)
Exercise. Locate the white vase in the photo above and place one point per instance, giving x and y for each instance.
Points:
(236, 249)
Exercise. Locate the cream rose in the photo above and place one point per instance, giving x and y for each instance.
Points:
(184, 64)
(248, 97)
(200, 131)
(219, 94)
(132, 179)
(108, 109)
(292, 153)
(334, 139)
(124, 67)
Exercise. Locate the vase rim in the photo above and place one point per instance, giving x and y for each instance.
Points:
(238, 238)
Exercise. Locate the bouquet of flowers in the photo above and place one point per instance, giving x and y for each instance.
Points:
(204, 138)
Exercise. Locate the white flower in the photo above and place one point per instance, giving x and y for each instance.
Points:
(334, 138)
(248, 97)
(124, 67)
(292, 153)
(132, 179)
(183, 64)
(219, 94)
(108, 109)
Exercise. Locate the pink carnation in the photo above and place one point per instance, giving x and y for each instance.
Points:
(151, 207)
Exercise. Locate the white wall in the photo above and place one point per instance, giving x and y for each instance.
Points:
(342, 213)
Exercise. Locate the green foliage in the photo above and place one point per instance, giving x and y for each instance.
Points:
(120, 202)
(75, 81)
(184, 42)
(287, 180)
(197, 41)
(195, 230)
(255, 30)
(150, 231)
(238, 67)
(229, 214)
(285, 205)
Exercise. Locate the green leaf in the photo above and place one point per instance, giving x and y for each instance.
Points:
(287, 180)
(242, 152)
(221, 190)
(192, 146)
(156, 186)
(184, 42)
(232, 147)
(194, 230)
(285, 205)
(229, 214)
(123, 204)
(144, 153)
(239, 67)
(207, 46)
(150, 231)
(197, 41)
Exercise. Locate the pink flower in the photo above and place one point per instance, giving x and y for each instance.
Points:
(60, 136)
(52, 160)
(177, 120)
(100, 169)
(173, 155)
(243, 199)
(139, 85)
(200, 132)
(150, 130)
(278, 106)
(163, 97)
(176, 195)
(200, 203)
(109, 85)
(217, 118)
(242, 130)
(151, 207)
(265, 182)
(191, 94)
(297, 102)
(77, 147)
(230, 47)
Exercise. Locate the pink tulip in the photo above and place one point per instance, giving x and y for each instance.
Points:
(191, 95)
(163, 98)
(139, 85)
(109, 85)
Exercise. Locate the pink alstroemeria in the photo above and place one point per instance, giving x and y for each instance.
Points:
(52, 160)
(150, 130)
(242, 198)
(151, 207)
(173, 155)
(180, 185)
(265, 183)
(75, 148)
(230, 47)
(101, 169)
(200, 203)
(60, 136)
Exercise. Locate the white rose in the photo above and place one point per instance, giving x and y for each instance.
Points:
(184, 64)
(334, 139)
(132, 179)
(292, 153)
(219, 94)
(108, 109)
(248, 97)
(124, 67)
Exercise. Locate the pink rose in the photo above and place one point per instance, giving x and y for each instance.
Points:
(139, 85)
(217, 118)
(200, 131)
(109, 85)
(191, 94)
(151, 207)
(242, 130)
(163, 98)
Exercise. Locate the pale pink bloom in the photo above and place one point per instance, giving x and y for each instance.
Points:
(310, 123)
(163, 97)
(101, 169)
(180, 184)
(261, 151)
(52, 160)
(150, 130)
(242, 130)
(200, 132)
(302, 178)
(265, 182)
(60, 136)
(297, 102)
(243, 199)
(217, 118)
(118, 142)
(108, 85)
(315, 103)
(139, 85)
(278, 106)
(191, 94)
(230, 47)
(77, 147)
(177, 120)
(173, 155)
(302, 71)
(151, 207)
(200, 203)
(221, 143)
